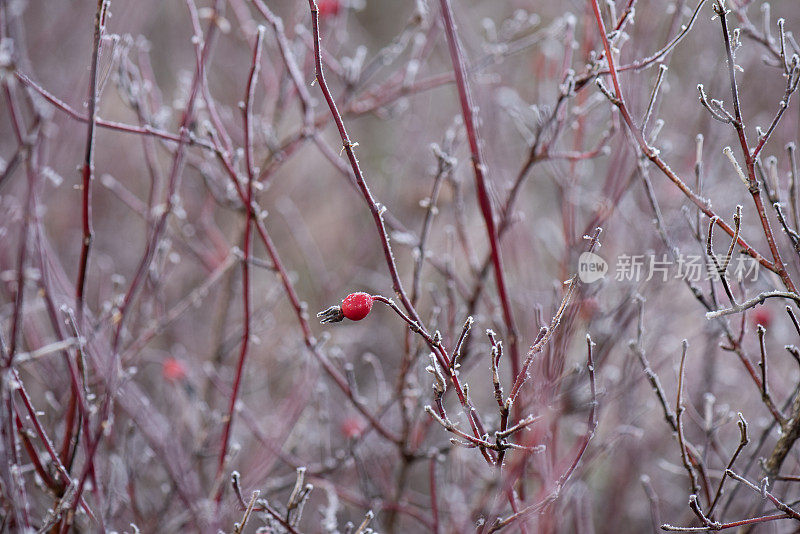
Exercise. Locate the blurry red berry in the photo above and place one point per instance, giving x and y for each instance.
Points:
(173, 370)
(761, 316)
(327, 8)
(588, 308)
(352, 427)
(356, 306)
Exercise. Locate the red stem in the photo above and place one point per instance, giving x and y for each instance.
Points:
(88, 162)
(478, 166)
(48, 444)
(434, 504)
(19, 296)
(248, 230)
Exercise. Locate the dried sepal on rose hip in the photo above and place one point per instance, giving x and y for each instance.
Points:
(355, 307)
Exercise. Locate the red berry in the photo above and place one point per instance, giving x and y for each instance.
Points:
(761, 316)
(588, 308)
(352, 427)
(356, 306)
(173, 370)
(328, 7)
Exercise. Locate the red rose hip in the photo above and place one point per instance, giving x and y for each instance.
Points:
(761, 316)
(173, 370)
(326, 8)
(356, 306)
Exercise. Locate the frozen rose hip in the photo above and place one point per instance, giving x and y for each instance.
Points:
(355, 307)
(762, 316)
(173, 370)
(352, 427)
(327, 8)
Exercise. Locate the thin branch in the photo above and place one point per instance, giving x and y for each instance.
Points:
(247, 243)
(743, 441)
(479, 168)
(88, 161)
(749, 303)
(679, 409)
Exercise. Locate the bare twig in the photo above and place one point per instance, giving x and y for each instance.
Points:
(479, 168)
(248, 228)
(750, 303)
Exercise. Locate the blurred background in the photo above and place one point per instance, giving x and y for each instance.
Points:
(162, 357)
